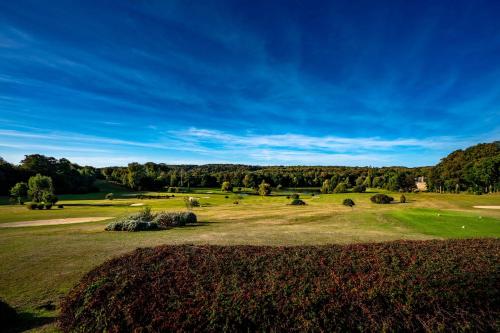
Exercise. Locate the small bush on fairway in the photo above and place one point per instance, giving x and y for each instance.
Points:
(60, 206)
(396, 287)
(348, 202)
(381, 199)
(191, 202)
(32, 206)
(48, 206)
(40, 206)
(402, 199)
(359, 189)
(294, 196)
(297, 202)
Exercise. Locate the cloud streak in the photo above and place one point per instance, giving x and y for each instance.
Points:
(195, 145)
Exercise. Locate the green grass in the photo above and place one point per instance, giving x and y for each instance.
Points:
(39, 264)
(448, 224)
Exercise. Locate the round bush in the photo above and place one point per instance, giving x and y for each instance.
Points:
(359, 189)
(32, 206)
(40, 206)
(381, 199)
(297, 202)
(48, 206)
(348, 202)
(394, 286)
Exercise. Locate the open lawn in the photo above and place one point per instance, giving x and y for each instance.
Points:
(39, 264)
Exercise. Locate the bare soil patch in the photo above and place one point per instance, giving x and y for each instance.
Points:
(487, 207)
(54, 221)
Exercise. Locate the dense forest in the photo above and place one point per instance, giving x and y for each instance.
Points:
(475, 169)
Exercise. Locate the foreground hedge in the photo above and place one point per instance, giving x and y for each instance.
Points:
(427, 285)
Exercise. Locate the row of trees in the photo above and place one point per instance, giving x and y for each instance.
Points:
(152, 176)
(66, 177)
(476, 169)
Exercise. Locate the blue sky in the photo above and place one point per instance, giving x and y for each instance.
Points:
(260, 82)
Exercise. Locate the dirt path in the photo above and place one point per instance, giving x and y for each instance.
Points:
(53, 222)
(488, 207)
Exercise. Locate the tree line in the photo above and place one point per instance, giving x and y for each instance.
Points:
(153, 176)
(475, 169)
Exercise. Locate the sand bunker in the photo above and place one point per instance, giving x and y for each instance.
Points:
(136, 204)
(53, 222)
(487, 207)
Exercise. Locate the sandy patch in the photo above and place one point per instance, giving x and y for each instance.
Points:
(53, 222)
(136, 204)
(487, 207)
(206, 197)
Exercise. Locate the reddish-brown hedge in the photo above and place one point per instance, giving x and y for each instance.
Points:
(409, 286)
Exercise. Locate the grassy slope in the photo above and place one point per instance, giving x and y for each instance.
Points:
(39, 264)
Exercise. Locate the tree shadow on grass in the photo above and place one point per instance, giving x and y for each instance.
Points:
(27, 321)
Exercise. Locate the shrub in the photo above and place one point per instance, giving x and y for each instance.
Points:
(381, 199)
(32, 205)
(48, 206)
(50, 198)
(295, 196)
(402, 198)
(175, 219)
(110, 196)
(191, 202)
(40, 206)
(348, 202)
(359, 189)
(189, 217)
(131, 225)
(236, 202)
(60, 206)
(396, 286)
(264, 189)
(139, 221)
(297, 202)
(226, 197)
(144, 215)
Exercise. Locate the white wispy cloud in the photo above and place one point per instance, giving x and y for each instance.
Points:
(199, 145)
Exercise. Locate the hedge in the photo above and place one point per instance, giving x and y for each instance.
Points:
(397, 286)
